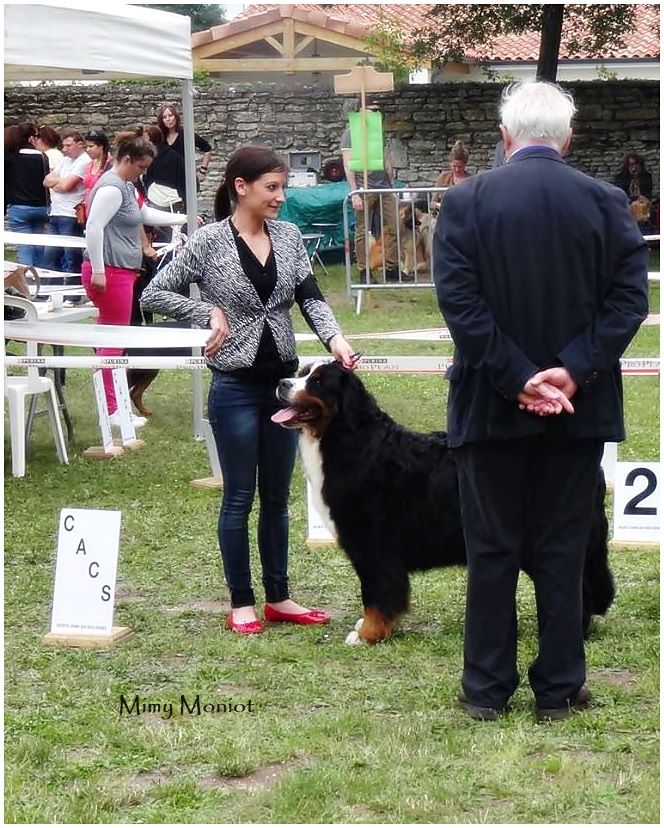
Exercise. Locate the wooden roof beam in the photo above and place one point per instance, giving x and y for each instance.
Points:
(275, 44)
(218, 47)
(329, 36)
(303, 44)
(227, 44)
(249, 64)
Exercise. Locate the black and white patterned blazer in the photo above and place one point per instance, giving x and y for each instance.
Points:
(210, 259)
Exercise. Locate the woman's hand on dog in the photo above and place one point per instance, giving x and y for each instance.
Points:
(219, 327)
(342, 351)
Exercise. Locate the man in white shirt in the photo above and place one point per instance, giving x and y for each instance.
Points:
(67, 190)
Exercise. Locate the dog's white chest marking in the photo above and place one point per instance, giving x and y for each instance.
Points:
(312, 463)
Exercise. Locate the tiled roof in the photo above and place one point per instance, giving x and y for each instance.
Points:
(357, 18)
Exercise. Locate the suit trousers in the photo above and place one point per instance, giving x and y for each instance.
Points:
(526, 504)
(386, 207)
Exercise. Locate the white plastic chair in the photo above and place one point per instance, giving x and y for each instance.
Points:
(17, 388)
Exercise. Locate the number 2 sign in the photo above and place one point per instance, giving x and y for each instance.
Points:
(636, 505)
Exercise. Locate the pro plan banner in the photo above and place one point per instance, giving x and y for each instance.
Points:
(372, 159)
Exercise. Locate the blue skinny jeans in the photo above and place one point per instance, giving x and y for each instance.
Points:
(23, 218)
(64, 259)
(252, 449)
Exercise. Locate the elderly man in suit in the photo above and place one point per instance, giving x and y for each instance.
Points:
(541, 274)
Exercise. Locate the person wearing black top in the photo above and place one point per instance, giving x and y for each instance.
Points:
(170, 167)
(26, 198)
(250, 269)
(633, 179)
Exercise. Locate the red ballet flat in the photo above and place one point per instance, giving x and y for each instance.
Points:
(248, 628)
(310, 617)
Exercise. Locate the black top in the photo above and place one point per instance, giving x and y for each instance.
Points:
(635, 185)
(267, 364)
(167, 168)
(25, 171)
(200, 143)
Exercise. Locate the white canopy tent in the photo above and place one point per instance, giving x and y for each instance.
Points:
(82, 41)
(66, 40)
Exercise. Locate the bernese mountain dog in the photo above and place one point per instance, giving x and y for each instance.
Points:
(390, 496)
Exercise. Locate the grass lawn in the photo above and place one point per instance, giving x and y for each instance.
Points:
(335, 734)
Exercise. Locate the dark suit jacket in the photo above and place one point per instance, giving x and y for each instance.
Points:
(537, 265)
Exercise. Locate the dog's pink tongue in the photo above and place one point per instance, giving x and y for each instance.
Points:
(284, 415)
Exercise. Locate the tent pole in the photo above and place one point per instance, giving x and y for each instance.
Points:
(192, 224)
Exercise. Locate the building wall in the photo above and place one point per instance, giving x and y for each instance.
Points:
(568, 71)
(421, 122)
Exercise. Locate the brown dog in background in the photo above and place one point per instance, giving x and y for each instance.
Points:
(140, 379)
(415, 232)
(640, 209)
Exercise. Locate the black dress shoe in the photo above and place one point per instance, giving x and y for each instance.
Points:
(579, 702)
(479, 713)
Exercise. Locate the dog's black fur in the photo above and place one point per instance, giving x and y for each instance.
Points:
(392, 496)
(140, 379)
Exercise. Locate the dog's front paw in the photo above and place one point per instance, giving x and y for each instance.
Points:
(353, 638)
(358, 624)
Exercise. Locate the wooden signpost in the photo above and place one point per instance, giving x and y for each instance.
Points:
(363, 79)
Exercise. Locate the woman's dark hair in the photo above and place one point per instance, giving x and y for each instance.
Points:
(96, 136)
(249, 163)
(12, 138)
(49, 135)
(155, 134)
(624, 170)
(132, 143)
(160, 118)
(18, 136)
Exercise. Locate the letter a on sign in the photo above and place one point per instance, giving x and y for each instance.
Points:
(85, 572)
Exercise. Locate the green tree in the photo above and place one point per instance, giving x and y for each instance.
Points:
(203, 15)
(453, 30)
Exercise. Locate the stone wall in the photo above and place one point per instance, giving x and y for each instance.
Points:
(421, 122)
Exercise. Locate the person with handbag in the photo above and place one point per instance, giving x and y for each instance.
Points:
(67, 190)
(170, 124)
(99, 149)
(26, 199)
(113, 240)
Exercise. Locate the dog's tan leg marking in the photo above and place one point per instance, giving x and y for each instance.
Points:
(136, 395)
(375, 627)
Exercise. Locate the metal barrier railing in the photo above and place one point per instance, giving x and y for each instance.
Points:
(402, 257)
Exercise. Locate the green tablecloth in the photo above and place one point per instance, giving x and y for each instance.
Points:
(309, 207)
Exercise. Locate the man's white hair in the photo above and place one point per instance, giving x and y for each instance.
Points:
(537, 110)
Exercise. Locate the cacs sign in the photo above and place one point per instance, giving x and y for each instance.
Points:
(84, 592)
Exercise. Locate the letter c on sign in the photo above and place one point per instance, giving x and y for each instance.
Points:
(69, 527)
(94, 563)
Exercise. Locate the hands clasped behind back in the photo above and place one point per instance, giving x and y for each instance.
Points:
(548, 392)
